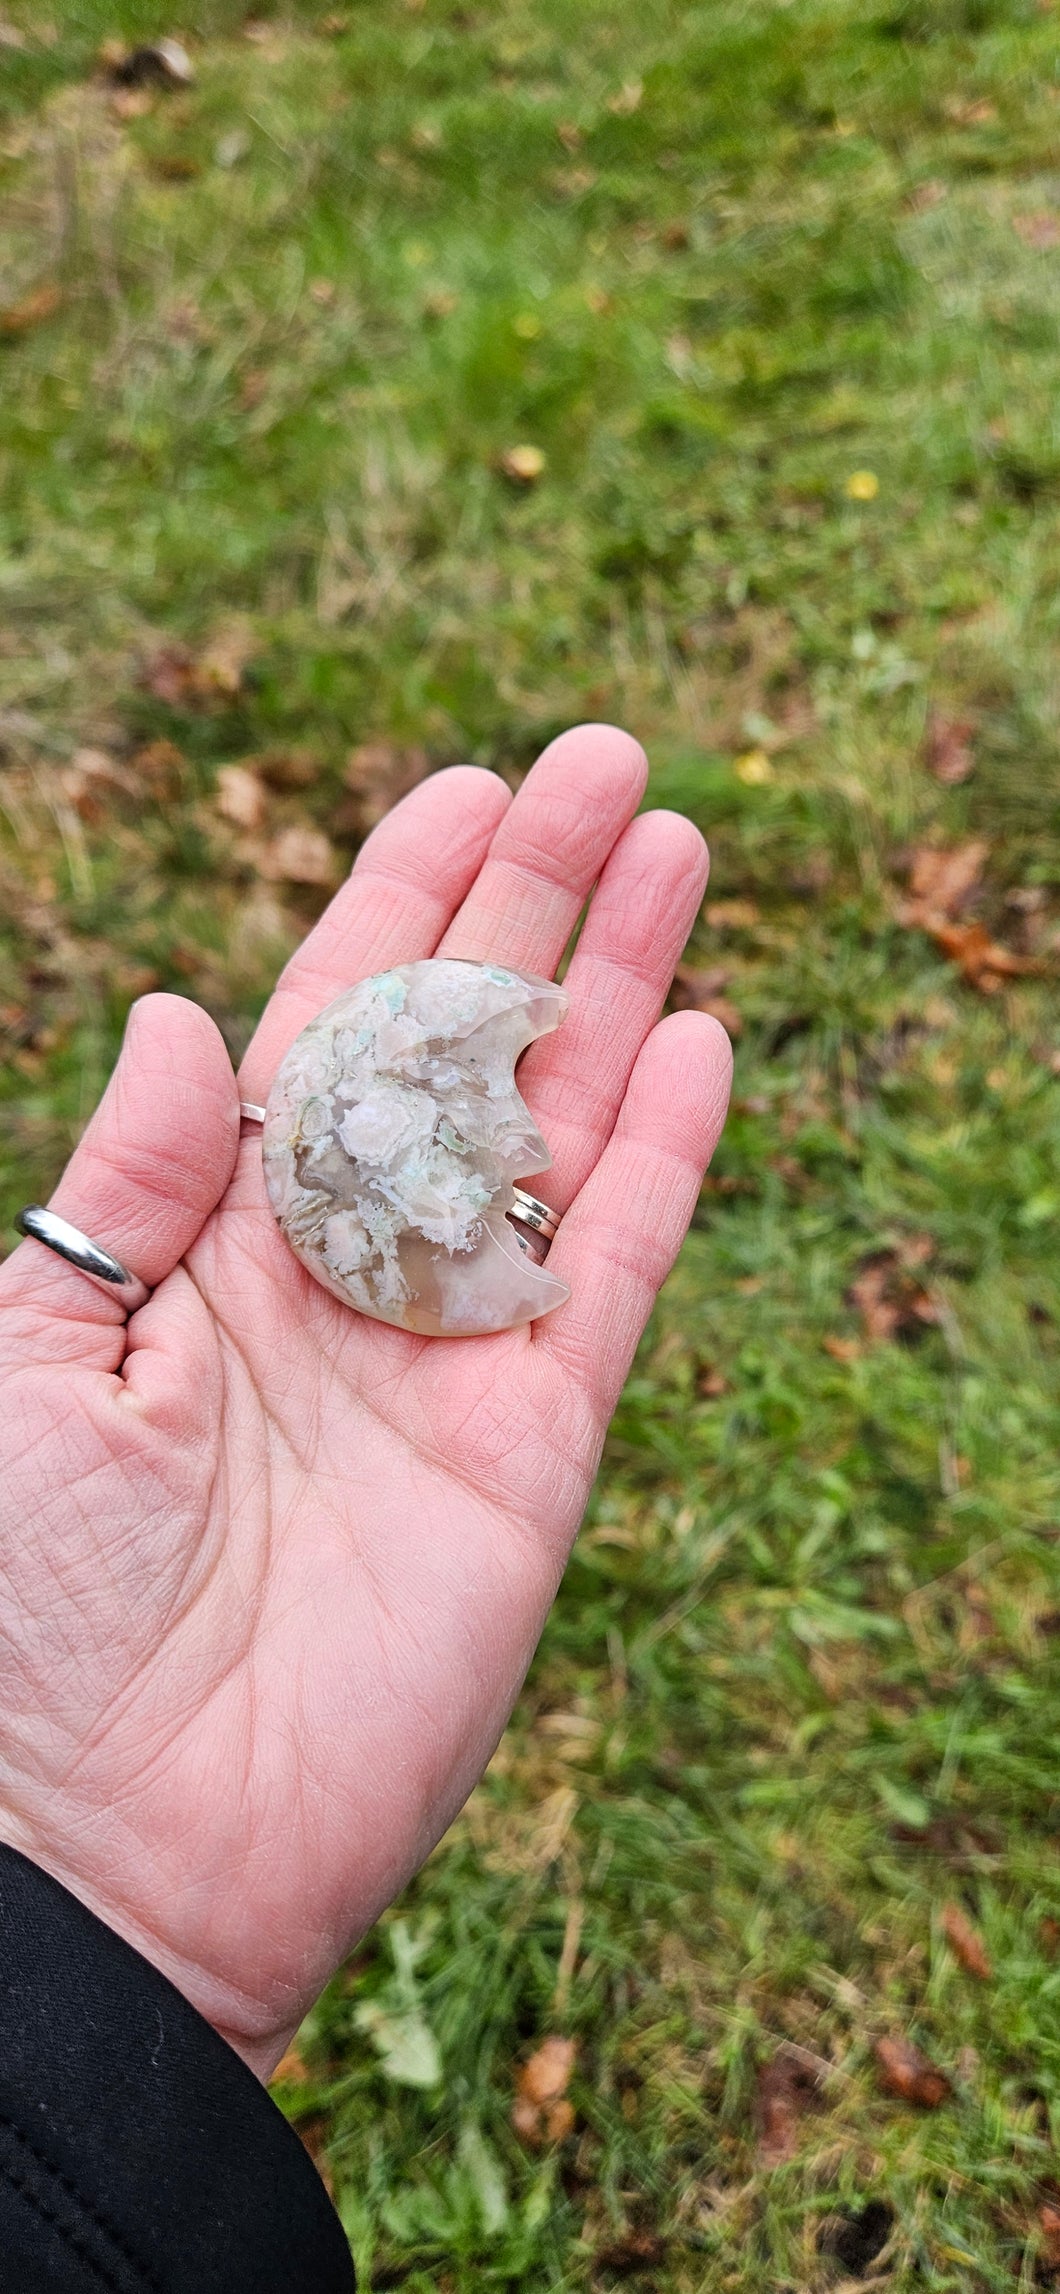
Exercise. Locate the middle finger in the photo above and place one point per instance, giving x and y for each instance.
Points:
(549, 850)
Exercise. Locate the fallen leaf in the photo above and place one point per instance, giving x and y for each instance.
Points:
(10, 36)
(131, 103)
(541, 2111)
(92, 776)
(158, 769)
(280, 768)
(20, 318)
(1040, 231)
(842, 1349)
(170, 675)
(698, 992)
(753, 768)
(906, 2072)
(545, 2076)
(570, 134)
(378, 773)
(637, 2250)
(252, 388)
(240, 796)
(949, 752)
(891, 1302)
(292, 2068)
(712, 1383)
(322, 292)
(787, 2088)
(676, 236)
(524, 464)
(184, 679)
(966, 1943)
(313, 2135)
(1049, 1936)
(299, 855)
(942, 878)
(732, 915)
(1049, 2225)
(983, 961)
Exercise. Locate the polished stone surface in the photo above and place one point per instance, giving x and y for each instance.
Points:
(394, 1134)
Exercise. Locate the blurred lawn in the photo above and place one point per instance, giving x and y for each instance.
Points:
(263, 345)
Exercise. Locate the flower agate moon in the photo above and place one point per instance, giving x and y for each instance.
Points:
(393, 1138)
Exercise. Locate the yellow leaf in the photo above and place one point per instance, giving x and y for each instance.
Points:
(754, 768)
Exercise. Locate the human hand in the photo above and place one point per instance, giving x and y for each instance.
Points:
(271, 1573)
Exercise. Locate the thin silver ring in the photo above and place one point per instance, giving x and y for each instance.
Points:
(100, 1266)
(526, 1209)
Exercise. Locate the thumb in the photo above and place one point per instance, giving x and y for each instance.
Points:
(155, 1159)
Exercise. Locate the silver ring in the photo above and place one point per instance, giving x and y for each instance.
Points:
(526, 1210)
(88, 1257)
(531, 1213)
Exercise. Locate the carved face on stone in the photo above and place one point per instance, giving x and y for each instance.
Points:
(394, 1135)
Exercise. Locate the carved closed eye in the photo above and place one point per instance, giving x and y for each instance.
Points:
(392, 1147)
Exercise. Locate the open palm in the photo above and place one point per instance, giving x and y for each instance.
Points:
(271, 1573)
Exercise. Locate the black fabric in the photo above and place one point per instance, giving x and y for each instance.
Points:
(138, 2154)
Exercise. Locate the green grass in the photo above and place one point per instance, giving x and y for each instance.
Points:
(800, 1689)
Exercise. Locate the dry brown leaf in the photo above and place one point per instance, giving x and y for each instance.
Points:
(313, 2134)
(949, 751)
(966, 1943)
(21, 317)
(787, 2088)
(1049, 2225)
(911, 2075)
(732, 915)
(1049, 1936)
(1040, 230)
(90, 779)
(695, 991)
(292, 2068)
(546, 2074)
(983, 961)
(240, 796)
(889, 1299)
(637, 2250)
(942, 879)
(299, 855)
(378, 773)
(712, 1382)
(158, 769)
(570, 134)
(842, 1349)
(170, 675)
(926, 195)
(541, 2111)
(131, 103)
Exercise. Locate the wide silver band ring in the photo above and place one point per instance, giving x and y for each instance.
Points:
(100, 1266)
(526, 1213)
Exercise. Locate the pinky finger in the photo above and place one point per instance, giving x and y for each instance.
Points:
(621, 1236)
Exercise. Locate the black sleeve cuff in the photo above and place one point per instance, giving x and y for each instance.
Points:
(138, 2154)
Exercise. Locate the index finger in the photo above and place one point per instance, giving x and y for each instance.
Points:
(409, 877)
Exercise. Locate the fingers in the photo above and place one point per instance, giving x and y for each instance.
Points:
(154, 1161)
(549, 850)
(408, 877)
(642, 912)
(621, 1236)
